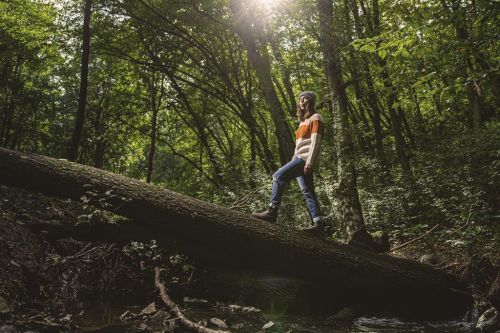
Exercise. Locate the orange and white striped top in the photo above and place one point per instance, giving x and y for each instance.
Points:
(308, 139)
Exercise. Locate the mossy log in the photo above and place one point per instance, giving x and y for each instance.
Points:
(210, 232)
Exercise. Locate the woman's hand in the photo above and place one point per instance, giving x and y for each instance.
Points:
(308, 170)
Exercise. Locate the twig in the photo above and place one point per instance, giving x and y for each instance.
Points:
(134, 316)
(81, 254)
(414, 240)
(176, 311)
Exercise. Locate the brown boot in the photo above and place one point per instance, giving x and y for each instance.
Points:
(268, 215)
(319, 228)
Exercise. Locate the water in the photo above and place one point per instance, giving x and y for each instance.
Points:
(105, 319)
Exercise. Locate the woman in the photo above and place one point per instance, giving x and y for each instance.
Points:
(305, 159)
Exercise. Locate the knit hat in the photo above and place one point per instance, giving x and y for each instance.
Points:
(309, 94)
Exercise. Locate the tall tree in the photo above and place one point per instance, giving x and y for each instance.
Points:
(82, 98)
(260, 61)
(346, 193)
(392, 100)
(155, 85)
(371, 93)
(473, 86)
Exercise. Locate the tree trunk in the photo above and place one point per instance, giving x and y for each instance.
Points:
(244, 28)
(392, 98)
(154, 120)
(372, 99)
(216, 234)
(82, 99)
(349, 207)
(285, 75)
(100, 142)
(200, 128)
(472, 85)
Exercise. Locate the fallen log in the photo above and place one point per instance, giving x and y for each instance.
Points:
(343, 273)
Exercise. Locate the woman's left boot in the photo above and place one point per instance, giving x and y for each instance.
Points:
(268, 215)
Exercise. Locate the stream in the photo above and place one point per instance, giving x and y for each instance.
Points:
(106, 319)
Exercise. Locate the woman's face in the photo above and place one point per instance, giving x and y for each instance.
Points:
(303, 100)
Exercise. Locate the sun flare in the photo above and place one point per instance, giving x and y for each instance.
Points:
(267, 3)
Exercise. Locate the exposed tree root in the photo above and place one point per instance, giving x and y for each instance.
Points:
(174, 309)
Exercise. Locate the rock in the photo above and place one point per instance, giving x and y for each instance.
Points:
(66, 319)
(203, 322)
(158, 321)
(250, 309)
(237, 326)
(151, 308)
(345, 314)
(218, 322)
(268, 325)
(243, 309)
(127, 314)
(428, 259)
(4, 306)
(193, 300)
(7, 329)
(235, 308)
(489, 321)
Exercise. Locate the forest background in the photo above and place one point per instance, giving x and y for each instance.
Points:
(199, 97)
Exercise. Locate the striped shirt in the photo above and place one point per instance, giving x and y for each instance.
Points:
(308, 139)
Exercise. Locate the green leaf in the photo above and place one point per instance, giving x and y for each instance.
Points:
(368, 48)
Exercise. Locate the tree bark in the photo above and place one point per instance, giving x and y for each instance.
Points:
(346, 194)
(155, 106)
(82, 99)
(228, 237)
(100, 141)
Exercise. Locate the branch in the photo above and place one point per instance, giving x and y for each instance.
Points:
(414, 240)
(176, 311)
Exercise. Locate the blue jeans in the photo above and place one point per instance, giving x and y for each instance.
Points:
(295, 169)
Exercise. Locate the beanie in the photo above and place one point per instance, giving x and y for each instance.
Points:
(309, 94)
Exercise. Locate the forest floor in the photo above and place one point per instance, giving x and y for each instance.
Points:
(54, 285)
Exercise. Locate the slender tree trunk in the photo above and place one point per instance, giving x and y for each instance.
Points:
(154, 120)
(7, 123)
(418, 112)
(396, 129)
(372, 99)
(407, 128)
(267, 155)
(253, 160)
(391, 100)
(100, 149)
(200, 125)
(355, 77)
(285, 75)
(100, 145)
(82, 99)
(349, 207)
(473, 86)
(243, 26)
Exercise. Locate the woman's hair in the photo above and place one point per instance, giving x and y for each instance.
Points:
(308, 109)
